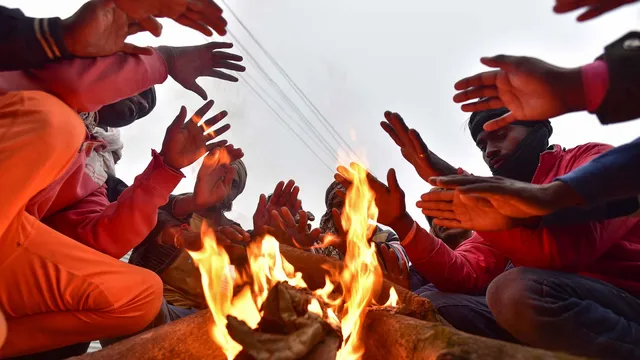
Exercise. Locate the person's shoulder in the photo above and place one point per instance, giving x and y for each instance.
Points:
(590, 147)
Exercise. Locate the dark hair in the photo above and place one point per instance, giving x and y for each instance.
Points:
(429, 220)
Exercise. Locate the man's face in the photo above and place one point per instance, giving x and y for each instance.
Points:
(124, 112)
(452, 237)
(497, 145)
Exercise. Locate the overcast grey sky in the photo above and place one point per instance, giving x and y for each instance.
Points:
(355, 59)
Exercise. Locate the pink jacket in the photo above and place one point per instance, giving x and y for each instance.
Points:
(607, 250)
(76, 204)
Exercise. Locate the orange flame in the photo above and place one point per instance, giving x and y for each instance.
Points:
(362, 275)
(360, 279)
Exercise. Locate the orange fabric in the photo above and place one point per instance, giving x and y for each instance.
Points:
(55, 291)
(3, 329)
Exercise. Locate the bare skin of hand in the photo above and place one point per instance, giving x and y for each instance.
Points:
(514, 198)
(185, 142)
(390, 200)
(530, 88)
(99, 28)
(397, 271)
(414, 149)
(215, 176)
(592, 8)
(284, 195)
(200, 15)
(450, 209)
(187, 63)
(285, 229)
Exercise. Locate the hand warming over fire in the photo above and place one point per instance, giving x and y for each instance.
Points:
(530, 88)
(185, 142)
(389, 200)
(289, 232)
(187, 63)
(413, 148)
(452, 210)
(514, 198)
(284, 195)
(215, 177)
(592, 8)
(394, 269)
(200, 15)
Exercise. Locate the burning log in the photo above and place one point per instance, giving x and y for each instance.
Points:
(388, 335)
(315, 268)
(287, 330)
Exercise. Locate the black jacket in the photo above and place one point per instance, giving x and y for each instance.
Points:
(27, 43)
(621, 103)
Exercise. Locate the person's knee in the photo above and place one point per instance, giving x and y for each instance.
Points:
(60, 124)
(144, 303)
(53, 125)
(511, 299)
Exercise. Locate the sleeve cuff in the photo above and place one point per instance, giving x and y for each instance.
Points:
(410, 235)
(161, 176)
(158, 70)
(595, 77)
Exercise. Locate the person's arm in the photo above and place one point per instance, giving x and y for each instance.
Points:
(614, 174)
(622, 59)
(115, 228)
(87, 84)
(609, 210)
(469, 268)
(27, 42)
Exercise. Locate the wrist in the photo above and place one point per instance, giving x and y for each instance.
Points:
(562, 195)
(168, 163)
(572, 92)
(402, 225)
(168, 55)
(183, 206)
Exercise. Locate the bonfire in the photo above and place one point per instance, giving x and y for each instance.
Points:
(274, 314)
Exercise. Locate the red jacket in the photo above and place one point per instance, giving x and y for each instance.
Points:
(606, 250)
(76, 204)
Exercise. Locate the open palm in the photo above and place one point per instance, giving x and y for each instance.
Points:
(450, 209)
(215, 176)
(531, 88)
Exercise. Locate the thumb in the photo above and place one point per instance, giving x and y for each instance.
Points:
(179, 120)
(136, 50)
(504, 62)
(500, 122)
(151, 25)
(197, 89)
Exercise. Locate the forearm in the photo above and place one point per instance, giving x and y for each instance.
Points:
(29, 42)
(183, 206)
(442, 166)
(609, 210)
(594, 181)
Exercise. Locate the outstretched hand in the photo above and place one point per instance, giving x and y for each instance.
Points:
(530, 88)
(185, 142)
(289, 232)
(215, 176)
(514, 198)
(592, 8)
(390, 200)
(99, 28)
(284, 195)
(200, 15)
(187, 63)
(394, 269)
(413, 148)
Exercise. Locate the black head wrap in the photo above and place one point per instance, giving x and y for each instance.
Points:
(523, 161)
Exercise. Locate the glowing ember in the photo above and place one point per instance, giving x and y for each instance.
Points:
(360, 279)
